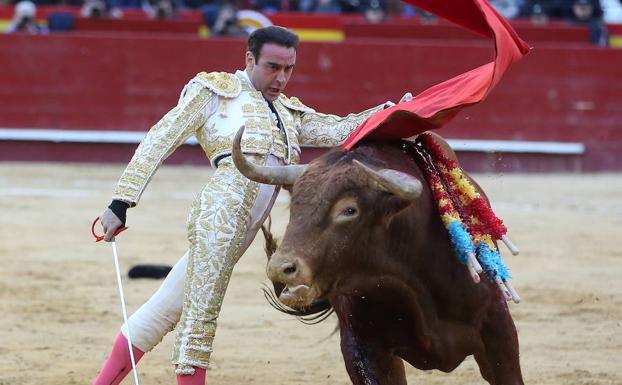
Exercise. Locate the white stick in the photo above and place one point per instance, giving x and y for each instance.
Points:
(474, 267)
(513, 293)
(511, 246)
(129, 337)
(473, 273)
(504, 290)
(473, 260)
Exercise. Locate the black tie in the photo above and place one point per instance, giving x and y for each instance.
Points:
(279, 123)
(278, 118)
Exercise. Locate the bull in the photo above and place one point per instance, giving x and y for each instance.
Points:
(365, 237)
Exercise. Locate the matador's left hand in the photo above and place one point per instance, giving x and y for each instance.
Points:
(406, 98)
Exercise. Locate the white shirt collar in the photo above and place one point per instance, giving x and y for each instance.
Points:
(244, 75)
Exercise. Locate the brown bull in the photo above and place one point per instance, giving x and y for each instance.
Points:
(364, 234)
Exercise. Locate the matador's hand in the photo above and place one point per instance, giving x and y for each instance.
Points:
(406, 98)
(110, 222)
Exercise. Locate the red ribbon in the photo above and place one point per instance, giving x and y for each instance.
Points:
(437, 105)
(99, 238)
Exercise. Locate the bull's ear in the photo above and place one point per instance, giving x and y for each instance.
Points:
(404, 186)
(391, 206)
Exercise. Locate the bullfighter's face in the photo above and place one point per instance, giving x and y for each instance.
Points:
(271, 72)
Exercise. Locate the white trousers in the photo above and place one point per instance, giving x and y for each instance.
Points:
(160, 314)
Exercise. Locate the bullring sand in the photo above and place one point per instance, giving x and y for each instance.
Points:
(60, 309)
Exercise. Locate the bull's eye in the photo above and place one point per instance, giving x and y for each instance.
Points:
(345, 210)
(350, 211)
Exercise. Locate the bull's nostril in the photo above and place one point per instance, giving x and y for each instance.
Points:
(289, 268)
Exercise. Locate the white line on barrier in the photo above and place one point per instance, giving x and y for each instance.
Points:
(46, 192)
(71, 193)
(566, 148)
(465, 145)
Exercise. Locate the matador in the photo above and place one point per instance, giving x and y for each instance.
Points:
(230, 209)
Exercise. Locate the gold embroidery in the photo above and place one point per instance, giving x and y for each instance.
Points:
(248, 109)
(221, 83)
(222, 108)
(216, 145)
(256, 95)
(261, 109)
(294, 103)
(217, 227)
(161, 140)
(325, 130)
(217, 222)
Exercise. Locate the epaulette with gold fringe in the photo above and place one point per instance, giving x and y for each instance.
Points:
(221, 83)
(294, 103)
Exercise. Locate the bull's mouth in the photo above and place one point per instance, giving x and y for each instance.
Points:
(298, 296)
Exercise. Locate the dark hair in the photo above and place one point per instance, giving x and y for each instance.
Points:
(272, 34)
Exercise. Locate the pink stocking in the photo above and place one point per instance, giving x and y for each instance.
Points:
(118, 364)
(198, 378)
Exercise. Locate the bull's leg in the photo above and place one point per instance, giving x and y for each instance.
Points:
(501, 347)
(367, 366)
(484, 367)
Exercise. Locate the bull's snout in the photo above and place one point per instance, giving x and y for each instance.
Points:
(282, 271)
(294, 275)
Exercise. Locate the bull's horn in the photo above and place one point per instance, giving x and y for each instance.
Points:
(393, 181)
(276, 175)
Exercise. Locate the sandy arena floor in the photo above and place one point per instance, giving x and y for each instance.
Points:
(60, 309)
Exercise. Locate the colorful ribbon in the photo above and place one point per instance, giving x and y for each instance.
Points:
(470, 222)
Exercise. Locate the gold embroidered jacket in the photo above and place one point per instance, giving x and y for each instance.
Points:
(213, 106)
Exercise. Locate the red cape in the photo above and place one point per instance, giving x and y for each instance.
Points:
(438, 104)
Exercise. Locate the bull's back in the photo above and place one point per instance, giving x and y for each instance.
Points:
(429, 258)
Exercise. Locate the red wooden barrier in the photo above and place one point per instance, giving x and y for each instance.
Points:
(558, 32)
(146, 25)
(569, 93)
